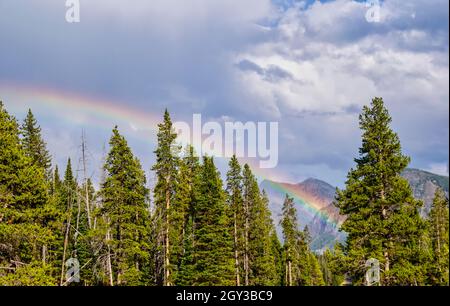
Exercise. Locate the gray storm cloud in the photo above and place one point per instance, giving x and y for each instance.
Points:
(310, 66)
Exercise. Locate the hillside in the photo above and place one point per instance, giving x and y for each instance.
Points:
(424, 186)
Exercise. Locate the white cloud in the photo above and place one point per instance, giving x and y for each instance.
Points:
(338, 62)
(331, 76)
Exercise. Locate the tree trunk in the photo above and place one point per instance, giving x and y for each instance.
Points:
(387, 261)
(88, 209)
(44, 254)
(246, 259)
(66, 238)
(83, 151)
(236, 253)
(78, 223)
(286, 275)
(290, 272)
(167, 244)
(108, 259)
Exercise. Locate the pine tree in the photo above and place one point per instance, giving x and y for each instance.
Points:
(56, 182)
(70, 183)
(291, 235)
(34, 145)
(235, 202)
(166, 168)
(188, 193)
(277, 251)
(24, 235)
(382, 215)
(263, 269)
(124, 200)
(439, 233)
(301, 267)
(181, 213)
(324, 266)
(332, 263)
(69, 187)
(213, 252)
(249, 198)
(68, 204)
(84, 247)
(315, 275)
(252, 227)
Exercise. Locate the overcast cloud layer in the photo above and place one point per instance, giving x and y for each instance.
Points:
(309, 65)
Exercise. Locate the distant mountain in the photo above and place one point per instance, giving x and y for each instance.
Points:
(424, 185)
(314, 199)
(314, 208)
(309, 195)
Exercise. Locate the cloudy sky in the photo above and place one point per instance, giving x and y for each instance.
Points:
(309, 65)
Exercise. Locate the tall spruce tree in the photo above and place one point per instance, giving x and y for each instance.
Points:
(291, 237)
(166, 169)
(182, 215)
(84, 247)
(382, 215)
(439, 234)
(259, 258)
(252, 227)
(277, 251)
(69, 179)
(56, 182)
(315, 275)
(68, 204)
(235, 202)
(301, 267)
(188, 193)
(125, 203)
(213, 252)
(69, 186)
(34, 145)
(249, 198)
(332, 264)
(263, 262)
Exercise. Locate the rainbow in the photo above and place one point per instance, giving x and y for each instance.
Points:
(78, 109)
(308, 205)
(104, 113)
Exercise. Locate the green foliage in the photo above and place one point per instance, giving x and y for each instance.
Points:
(439, 235)
(236, 209)
(383, 220)
(213, 252)
(255, 256)
(277, 251)
(21, 184)
(124, 200)
(332, 264)
(315, 273)
(182, 217)
(26, 213)
(32, 274)
(33, 144)
(166, 169)
(262, 261)
(301, 267)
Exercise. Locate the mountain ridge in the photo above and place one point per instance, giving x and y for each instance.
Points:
(315, 208)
